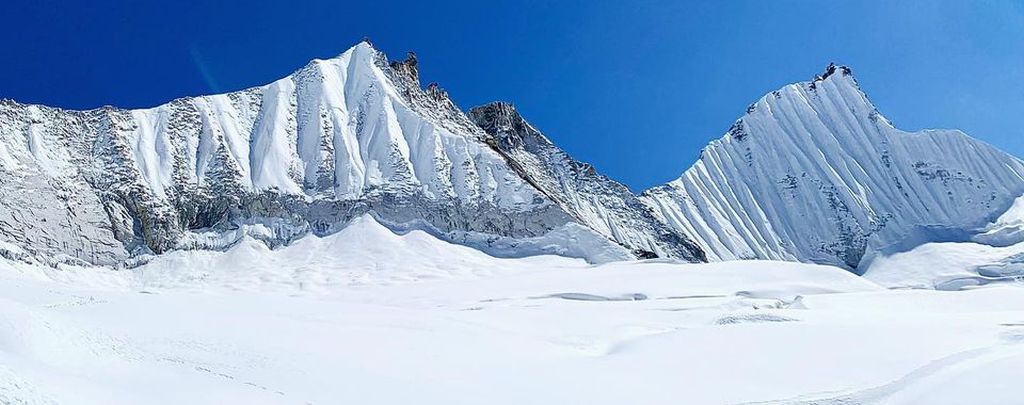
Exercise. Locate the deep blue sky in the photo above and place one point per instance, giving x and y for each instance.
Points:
(636, 88)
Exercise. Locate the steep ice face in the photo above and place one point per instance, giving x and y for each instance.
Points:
(600, 203)
(812, 172)
(307, 153)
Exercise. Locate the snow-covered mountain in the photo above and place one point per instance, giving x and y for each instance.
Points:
(813, 172)
(305, 154)
(332, 235)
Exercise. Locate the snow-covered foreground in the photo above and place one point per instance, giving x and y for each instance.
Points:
(339, 320)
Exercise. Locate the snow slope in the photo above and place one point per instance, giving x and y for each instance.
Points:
(339, 138)
(476, 329)
(993, 254)
(364, 252)
(813, 172)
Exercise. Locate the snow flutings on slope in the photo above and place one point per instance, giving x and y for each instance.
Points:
(811, 173)
(337, 139)
(814, 173)
(337, 126)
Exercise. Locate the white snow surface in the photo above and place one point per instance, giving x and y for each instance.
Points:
(372, 316)
(363, 253)
(994, 254)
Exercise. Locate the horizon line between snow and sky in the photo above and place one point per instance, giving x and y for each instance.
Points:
(635, 89)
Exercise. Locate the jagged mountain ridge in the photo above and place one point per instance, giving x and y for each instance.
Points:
(595, 200)
(339, 138)
(813, 172)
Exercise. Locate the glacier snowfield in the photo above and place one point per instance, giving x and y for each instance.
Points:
(338, 320)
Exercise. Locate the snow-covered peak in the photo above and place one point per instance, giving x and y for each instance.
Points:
(810, 172)
(813, 172)
(832, 68)
(336, 139)
(836, 82)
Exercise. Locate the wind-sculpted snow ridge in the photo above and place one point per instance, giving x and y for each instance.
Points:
(593, 199)
(813, 172)
(305, 154)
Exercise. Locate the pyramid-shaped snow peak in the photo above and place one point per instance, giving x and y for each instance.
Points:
(813, 172)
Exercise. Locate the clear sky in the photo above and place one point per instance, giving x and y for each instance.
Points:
(635, 87)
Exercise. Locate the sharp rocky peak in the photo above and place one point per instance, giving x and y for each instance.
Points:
(497, 113)
(408, 66)
(501, 120)
(831, 69)
(832, 72)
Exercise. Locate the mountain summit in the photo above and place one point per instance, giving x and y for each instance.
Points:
(339, 138)
(813, 172)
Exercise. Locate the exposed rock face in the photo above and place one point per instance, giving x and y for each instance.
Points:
(814, 173)
(336, 139)
(593, 199)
